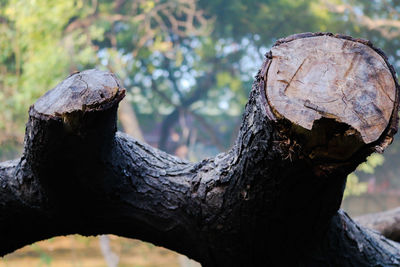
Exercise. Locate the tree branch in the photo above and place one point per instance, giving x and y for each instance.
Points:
(387, 223)
(77, 175)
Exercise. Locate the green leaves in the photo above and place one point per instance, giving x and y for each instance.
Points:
(354, 187)
(167, 52)
(372, 162)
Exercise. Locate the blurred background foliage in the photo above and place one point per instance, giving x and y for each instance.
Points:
(187, 65)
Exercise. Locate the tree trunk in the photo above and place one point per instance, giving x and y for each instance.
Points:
(318, 107)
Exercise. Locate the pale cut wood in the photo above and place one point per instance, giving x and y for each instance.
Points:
(81, 91)
(326, 76)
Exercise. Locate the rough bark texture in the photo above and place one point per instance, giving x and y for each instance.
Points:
(77, 175)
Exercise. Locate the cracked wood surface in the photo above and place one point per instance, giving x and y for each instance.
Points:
(89, 89)
(326, 76)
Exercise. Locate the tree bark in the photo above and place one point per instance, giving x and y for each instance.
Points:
(273, 199)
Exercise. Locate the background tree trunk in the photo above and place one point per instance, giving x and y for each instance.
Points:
(288, 166)
(129, 121)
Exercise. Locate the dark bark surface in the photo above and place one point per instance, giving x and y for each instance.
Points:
(265, 202)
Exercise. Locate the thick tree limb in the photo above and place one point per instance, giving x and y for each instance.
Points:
(78, 176)
(348, 244)
(387, 223)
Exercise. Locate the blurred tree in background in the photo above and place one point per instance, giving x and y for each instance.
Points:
(188, 65)
(185, 63)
